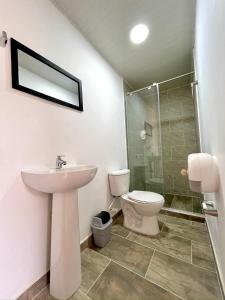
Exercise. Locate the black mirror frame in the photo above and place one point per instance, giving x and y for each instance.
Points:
(15, 45)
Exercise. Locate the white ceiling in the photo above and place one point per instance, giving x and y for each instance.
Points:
(106, 24)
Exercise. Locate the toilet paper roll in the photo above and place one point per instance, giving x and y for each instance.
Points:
(184, 172)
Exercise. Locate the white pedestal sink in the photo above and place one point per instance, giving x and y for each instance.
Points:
(65, 270)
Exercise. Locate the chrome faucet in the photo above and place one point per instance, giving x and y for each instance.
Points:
(60, 162)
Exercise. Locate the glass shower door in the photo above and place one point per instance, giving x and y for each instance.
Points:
(144, 141)
(162, 130)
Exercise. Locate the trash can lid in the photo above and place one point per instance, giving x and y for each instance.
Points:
(104, 216)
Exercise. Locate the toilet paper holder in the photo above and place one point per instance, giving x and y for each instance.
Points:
(209, 209)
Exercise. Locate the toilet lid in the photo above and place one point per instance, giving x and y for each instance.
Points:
(145, 197)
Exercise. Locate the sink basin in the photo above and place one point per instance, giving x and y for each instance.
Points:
(58, 180)
(65, 266)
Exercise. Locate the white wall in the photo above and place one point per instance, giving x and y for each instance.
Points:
(210, 65)
(34, 131)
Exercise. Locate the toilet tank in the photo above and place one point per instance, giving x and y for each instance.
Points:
(119, 182)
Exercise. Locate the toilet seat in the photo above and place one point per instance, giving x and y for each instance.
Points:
(145, 197)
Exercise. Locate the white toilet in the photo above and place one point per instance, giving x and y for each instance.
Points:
(140, 208)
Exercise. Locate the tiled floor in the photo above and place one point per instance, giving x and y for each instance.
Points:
(176, 264)
(185, 203)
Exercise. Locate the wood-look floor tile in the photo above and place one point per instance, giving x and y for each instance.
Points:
(166, 242)
(79, 295)
(120, 230)
(187, 231)
(202, 256)
(184, 279)
(44, 295)
(117, 283)
(119, 220)
(92, 265)
(200, 225)
(131, 255)
(35, 289)
(173, 220)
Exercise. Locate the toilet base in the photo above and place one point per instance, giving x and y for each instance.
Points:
(148, 225)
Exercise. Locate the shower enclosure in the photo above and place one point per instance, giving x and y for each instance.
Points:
(162, 129)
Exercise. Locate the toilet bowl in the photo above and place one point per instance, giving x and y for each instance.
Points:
(140, 208)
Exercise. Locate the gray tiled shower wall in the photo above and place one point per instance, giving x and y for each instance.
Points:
(179, 138)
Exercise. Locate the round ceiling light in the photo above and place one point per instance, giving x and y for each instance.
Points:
(139, 33)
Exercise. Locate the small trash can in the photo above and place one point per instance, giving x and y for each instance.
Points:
(101, 228)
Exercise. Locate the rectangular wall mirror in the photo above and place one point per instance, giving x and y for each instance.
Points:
(34, 74)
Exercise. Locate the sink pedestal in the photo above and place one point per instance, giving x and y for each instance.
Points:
(65, 270)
